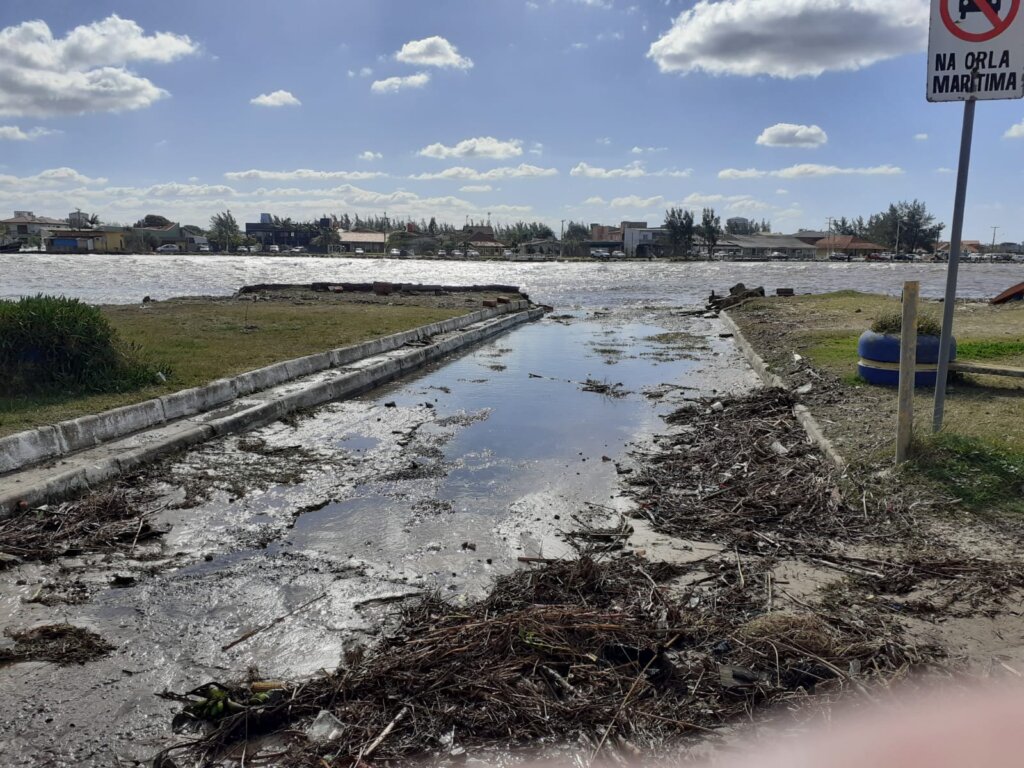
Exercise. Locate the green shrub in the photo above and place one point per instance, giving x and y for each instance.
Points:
(892, 323)
(55, 344)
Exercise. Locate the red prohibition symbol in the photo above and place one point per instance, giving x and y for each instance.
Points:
(988, 8)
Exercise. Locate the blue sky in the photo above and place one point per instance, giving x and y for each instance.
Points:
(594, 110)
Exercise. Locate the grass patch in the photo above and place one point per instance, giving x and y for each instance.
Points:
(985, 349)
(833, 350)
(985, 477)
(200, 341)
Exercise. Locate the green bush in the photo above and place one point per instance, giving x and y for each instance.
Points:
(54, 344)
(892, 323)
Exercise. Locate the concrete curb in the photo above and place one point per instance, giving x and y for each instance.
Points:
(34, 446)
(240, 415)
(802, 414)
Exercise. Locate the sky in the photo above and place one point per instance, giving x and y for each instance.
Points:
(588, 110)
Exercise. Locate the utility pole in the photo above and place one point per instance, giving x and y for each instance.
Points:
(831, 239)
(899, 223)
(994, 230)
(561, 242)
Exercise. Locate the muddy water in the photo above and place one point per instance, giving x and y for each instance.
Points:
(438, 482)
(126, 279)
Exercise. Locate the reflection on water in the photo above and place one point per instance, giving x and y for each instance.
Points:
(126, 279)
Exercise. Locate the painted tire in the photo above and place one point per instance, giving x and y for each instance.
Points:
(880, 359)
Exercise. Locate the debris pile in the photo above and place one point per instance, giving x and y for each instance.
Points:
(738, 294)
(97, 522)
(618, 653)
(58, 643)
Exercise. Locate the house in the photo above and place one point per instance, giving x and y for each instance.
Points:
(542, 249)
(170, 234)
(849, 244)
(25, 224)
(98, 240)
(754, 247)
(488, 249)
(370, 242)
(966, 246)
(285, 235)
(639, 242)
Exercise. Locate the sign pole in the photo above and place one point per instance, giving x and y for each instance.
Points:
(955, 243)
(908, 371)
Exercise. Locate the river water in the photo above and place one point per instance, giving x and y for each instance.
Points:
(127, 279)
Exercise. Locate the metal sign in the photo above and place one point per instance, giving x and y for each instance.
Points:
(976, 50)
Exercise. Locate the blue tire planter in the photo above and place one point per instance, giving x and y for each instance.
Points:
(880, 359)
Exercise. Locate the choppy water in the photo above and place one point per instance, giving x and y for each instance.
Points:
(126, 279)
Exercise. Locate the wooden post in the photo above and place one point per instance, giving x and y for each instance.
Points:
(908, 366)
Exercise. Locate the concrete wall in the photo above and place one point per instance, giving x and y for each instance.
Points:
(79, 472)
(44, 443)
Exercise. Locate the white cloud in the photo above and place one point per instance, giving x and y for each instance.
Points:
(781, 191)
(276, 99)
(736, 173)
(805, 170)
(579, 46)
(920, 137)
(173, 189)
(792, 135)
(52, 177)
(809, 170)
(14, 133)
(461, 173)
(396, 84)
(364, 72)
(673, 173)
(369, 156)
(596, 200)
(537, 148)
(302, 174)
(476, 188)
(730, 203)
(648, 150)
(790, 38)
(84, 71)
(484, 146)
(944, 170)
(604, 141)
(433, 52)
(1015, 131)
(631, 171)
(602, 4)
(635, 201)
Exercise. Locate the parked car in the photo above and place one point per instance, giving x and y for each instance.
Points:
(274, 249)
(618, 255)
(394, 253)
(458, 255)
(473, 254)
(204, 249)
(839, 257)
(442, 253)
(242, 249)
(506, 254)
(902, 257)
(168, 248)
(358, 251)
(778, 256)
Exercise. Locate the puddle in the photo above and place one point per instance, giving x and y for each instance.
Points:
(439, 481)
